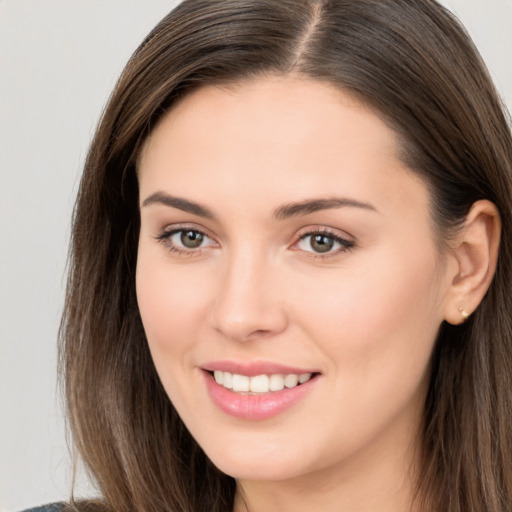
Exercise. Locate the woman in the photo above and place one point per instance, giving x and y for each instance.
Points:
(291, 266)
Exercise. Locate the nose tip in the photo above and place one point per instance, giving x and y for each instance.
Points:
(242, 330)
(248, 306)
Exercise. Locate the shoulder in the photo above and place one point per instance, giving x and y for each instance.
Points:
(53, 507)
(91, 505)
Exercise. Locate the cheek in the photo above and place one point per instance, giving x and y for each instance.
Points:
(376, 328)
(377, 321)
(172, 302)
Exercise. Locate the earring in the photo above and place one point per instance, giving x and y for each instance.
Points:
(464, 313)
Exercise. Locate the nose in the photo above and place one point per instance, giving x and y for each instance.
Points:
(249, 303)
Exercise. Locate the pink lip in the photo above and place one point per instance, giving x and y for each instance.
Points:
(255, 368)
(256, 407)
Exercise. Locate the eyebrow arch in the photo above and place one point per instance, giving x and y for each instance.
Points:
(179, 203)
(283, 212)
(313, 205)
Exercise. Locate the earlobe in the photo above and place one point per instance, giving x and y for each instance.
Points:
(475, 251)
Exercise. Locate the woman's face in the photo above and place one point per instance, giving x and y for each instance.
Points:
(283, 243)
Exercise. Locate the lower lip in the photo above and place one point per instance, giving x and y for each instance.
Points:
(255, 407)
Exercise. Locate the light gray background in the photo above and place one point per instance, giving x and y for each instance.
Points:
(58, 62)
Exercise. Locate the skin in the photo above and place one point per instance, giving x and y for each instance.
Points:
(364, 317)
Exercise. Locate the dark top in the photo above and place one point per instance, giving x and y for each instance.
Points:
(52, 507)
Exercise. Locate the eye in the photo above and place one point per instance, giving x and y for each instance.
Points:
(323, 242)
(188, 238)
(185, 240)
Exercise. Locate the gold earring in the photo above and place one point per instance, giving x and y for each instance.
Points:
(464, 313)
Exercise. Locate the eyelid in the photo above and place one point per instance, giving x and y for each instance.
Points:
(319, 229)
(190, 226)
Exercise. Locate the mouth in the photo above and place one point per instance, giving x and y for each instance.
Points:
(260, 384)
(259, 395)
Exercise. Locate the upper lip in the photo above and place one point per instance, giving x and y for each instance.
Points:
(254, 368)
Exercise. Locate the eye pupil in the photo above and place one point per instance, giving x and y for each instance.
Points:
(321, 243)
(191, 239)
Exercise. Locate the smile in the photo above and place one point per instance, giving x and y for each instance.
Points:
(259, 383)
(257, 392)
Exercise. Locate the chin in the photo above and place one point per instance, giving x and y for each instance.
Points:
(259, 463)
(258, 470)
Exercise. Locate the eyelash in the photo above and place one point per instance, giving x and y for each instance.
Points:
(345, 245)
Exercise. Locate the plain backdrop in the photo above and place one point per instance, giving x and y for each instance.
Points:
(59, 60)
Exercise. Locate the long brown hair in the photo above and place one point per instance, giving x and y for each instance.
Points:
(414, 65)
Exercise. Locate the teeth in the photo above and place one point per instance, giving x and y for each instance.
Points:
(304, 377)
(227, 380)
(240, 382)
(259, 383)
(276, 382)
(290, 381)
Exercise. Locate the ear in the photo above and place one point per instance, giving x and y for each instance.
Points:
(474, 254)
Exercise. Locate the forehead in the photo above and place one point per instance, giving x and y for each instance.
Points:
(276, 137)
(285, 106)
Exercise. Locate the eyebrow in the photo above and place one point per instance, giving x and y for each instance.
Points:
(285, 211)
(313, 205)
(179, 203)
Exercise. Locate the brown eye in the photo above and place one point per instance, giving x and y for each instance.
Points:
(186, 242)
(321, 243)
(191, 239)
